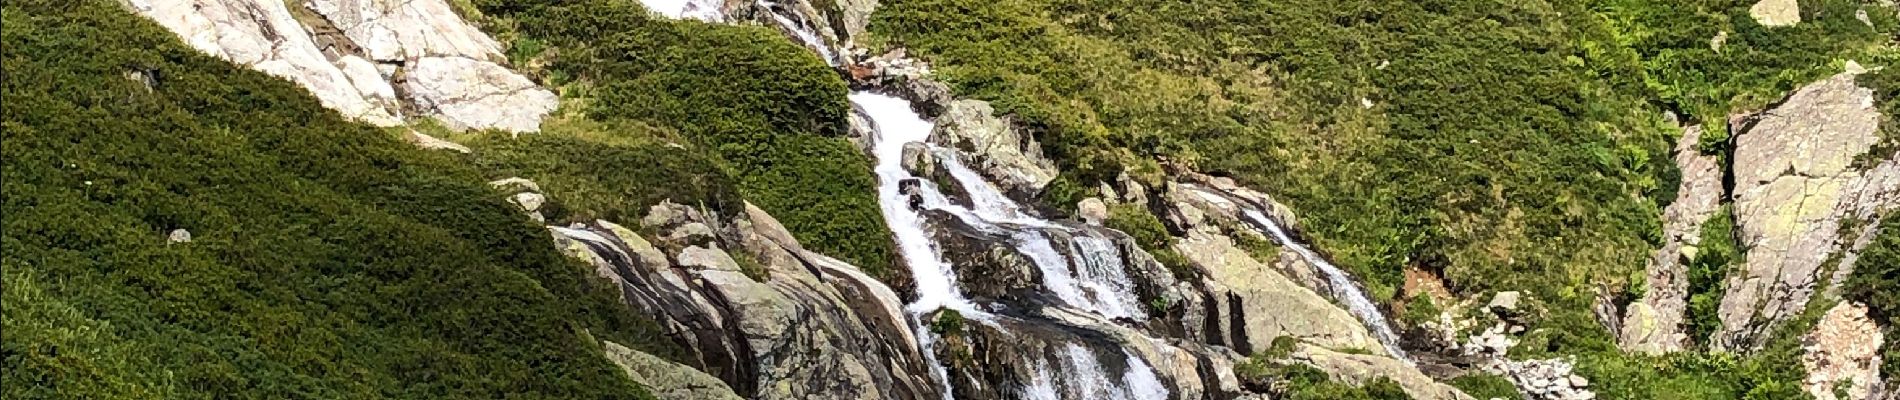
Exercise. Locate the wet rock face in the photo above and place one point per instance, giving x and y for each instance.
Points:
(1361, 369)
(371, 60)
(988, 268)
(1795, 186)
(1653, 324)
(1843, 352)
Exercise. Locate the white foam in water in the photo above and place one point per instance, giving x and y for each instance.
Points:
(1344, 289)
(1084, 378)
(704, 10)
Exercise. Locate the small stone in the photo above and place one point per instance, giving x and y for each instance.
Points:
(1092, 210)
(1579, 381)
(516, 185)
(1715, 43)
(179, 236)
(1852, 67)
(427, 142)
(528, 200)
(1774, 13)
(1862, 16)
(1504, 302)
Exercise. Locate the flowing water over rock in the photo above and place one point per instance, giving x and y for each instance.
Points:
(1345, 290)
(1094, 281)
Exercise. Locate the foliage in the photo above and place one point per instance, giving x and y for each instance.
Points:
(1486, 386)
(1419, 310)
(1754, 65)
(329, 259)
(1717, 254)
(615, 179)
(1140, 224)
(1874, 279)
(1514, 146)
(771, 112)
(948, 322)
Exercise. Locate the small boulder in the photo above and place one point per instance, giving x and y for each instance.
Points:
(179, 236)
(529, 200)
(1504, 303)
(1092, 210)
(427, 142)
(1776, 12)
(516, 185)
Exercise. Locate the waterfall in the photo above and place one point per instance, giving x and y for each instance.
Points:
(1345, 290)
(704, 10)
(1094, 281)
(805, 36)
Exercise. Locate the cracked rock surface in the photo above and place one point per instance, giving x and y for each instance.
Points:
(1795, 186)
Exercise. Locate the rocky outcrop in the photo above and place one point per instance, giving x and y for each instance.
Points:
(264, 35)
(809, 327)
(1011, 159)
(1360, 369)
(370, 60)
(465, 93)
(1842, 355)
(1795, 187)
(399, 30)
(1653, 324)
(667, 380)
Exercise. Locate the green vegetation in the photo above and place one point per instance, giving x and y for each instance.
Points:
(1717, 254)
(1269, 370)
(1485, 386)
(948, 322)
(1514, 146)
(1773, 372)
(329, 259)
(1419, 310)
(771, 114)
(1682, 68)
(1875, 276)
(616, 177)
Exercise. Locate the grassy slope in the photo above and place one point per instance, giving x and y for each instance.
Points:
(330, 260)
(770, 113)
(1515, 146)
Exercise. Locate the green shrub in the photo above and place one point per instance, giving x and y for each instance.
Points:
(1135, 221)
(766, 109)
(329, 259)
(1716, 256)
(1486, 386)
(1874, 281)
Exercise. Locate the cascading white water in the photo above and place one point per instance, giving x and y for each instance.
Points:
(1344, 290)
(1084, 378)
(805, 36)
(1101, 286)
(704, 10)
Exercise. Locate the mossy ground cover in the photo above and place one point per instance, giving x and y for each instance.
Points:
(1507, 145)
(765, 111)
(329, 259)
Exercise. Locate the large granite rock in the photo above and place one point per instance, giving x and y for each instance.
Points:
(1653, 324)
(1265, 304)
(400, 30)
(1007, 156)
(665, 379)
(264, 35)
(1842, 354)
(354, 55)
(1360, 369)
(814, 327)
(1795, 186)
